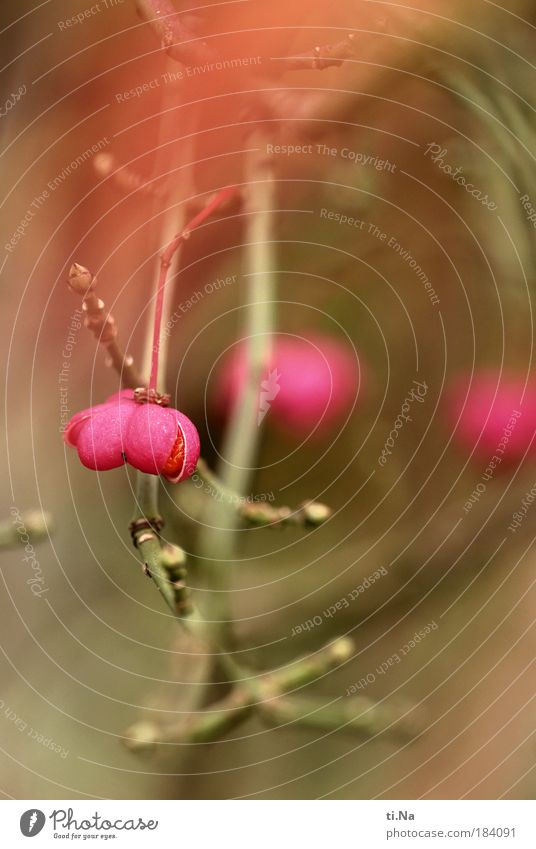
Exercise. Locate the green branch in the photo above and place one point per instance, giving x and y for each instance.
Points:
(357, 716)
(249, 695)
(259, 513)
(164, 564)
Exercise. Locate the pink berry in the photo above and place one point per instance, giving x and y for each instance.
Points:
(154, 439)
(160, 440)
(497, 415)
(309, 387)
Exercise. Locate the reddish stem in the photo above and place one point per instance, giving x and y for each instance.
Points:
(165, 262)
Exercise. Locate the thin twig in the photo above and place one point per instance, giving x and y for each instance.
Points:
(248, 696)
(164, 565)
(182, 45)
(356, 715)
(147, 522)
(165, 262)
(320, 58)
(218, 540)
(102, 324)
(260, 513)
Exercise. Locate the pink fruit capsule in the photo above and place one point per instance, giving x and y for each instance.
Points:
(153, 439)
(309, 387)
(137, 427)
(494, 415)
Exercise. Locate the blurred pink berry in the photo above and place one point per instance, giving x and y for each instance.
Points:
(493, 419)
(154, 439)
(308, 388)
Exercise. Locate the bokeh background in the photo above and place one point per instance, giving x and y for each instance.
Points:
(98, 651)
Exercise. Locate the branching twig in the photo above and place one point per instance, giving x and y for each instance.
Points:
(181, 44)
(263, 694)
(267, 696)
(320, 58)
(249, 695)
(147, 523)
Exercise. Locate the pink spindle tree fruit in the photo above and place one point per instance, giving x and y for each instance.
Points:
(495, 415)
(154, 439)
(309, 387)
(137, 426)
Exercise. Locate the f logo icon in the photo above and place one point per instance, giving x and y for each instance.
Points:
(32, 822)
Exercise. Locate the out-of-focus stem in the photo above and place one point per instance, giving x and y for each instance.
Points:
(33, 524)
(217, 543)
(248, 696)
(357, 715)
(243, 432)
(145, 536)
(147, 486)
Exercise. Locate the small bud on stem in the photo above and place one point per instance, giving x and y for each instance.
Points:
(81, 280)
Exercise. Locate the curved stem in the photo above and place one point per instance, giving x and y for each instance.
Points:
(165, 263)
